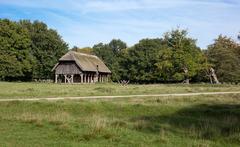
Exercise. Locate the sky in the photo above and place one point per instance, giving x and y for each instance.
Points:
(84, 23)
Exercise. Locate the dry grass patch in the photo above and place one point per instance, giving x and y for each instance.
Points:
(57, 118)
(99, 127)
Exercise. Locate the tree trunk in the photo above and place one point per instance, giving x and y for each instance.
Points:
(187, 80)
(214, 76)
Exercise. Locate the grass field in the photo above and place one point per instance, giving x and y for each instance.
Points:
(199, 121)
(46, 90)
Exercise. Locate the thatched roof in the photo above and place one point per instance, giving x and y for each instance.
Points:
(85, 62)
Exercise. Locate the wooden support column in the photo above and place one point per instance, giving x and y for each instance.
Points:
(56, 78)
(99, 79)
(102, 78)
(95, 78)
(81, 75)
(65, 78)
(84, 78)
(72, 78)
(89, 78)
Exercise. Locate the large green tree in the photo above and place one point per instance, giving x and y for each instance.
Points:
(173, 58)
(16, 61)
(111, 54)
(224, 54)
(187, 59)
(142, 60)
(47, 47)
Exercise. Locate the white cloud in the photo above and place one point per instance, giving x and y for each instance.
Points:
(85, 22)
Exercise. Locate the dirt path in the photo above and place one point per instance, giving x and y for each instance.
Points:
(121, 96)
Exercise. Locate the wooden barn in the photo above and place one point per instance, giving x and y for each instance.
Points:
(76, 67)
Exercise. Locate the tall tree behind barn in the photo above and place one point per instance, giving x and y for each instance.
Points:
(76, 67)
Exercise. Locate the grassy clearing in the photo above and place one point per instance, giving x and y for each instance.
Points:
(44, 90)
(200, 121)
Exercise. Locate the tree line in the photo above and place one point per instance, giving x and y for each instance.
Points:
(29, 50)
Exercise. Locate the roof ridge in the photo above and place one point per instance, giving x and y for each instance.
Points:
(84, 54)
(85, 62)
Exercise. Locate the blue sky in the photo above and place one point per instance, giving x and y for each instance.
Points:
(87, 22)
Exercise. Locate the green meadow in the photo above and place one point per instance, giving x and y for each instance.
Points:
(48, 90)
(200, 121)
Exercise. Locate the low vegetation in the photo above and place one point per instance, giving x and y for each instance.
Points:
(184, 121)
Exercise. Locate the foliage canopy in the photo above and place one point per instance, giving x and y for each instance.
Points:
(28, 50)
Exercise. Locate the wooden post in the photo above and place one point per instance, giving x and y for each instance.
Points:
(56, 78)
(107, 78)
(65, 79)
(89, 81)
(89, 78)
(81, 75)
(82, 81)
(72, 78)
(92, 78)
(84, 78)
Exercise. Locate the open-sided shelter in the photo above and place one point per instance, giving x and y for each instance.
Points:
(76, 67)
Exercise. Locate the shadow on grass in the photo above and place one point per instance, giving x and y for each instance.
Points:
(210, 122)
